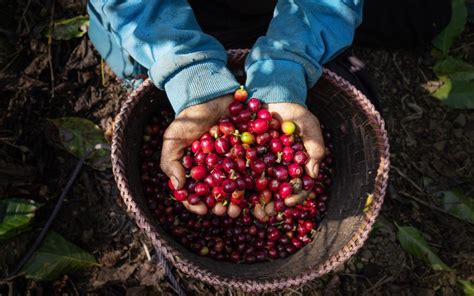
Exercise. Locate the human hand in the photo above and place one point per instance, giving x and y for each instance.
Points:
(308, 128)
(188, 126)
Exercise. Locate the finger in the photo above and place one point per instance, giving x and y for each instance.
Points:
(277, 116)
(170, 163)
(219, 209)
(198, 209)
(314, 145)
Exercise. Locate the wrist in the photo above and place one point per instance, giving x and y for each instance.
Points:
(288, 109)
(210, 111)
(199, 83)
(287, 104)
(277, 81)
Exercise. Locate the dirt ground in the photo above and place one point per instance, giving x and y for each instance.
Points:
(432, 150)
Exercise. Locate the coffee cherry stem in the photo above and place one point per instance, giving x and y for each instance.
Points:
(278, 224)
(279, 154)
(280, 216)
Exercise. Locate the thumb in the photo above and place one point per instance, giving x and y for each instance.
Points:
(171, 154)
(314, 145)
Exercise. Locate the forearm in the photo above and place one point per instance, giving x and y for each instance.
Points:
(302, 36)
(165, 38)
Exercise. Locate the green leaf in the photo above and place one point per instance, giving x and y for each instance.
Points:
(461, 95)
(443, 91)
(412, 241)
(56, 257)
(78, 135)
(69, 28)
(455, 68)
(458, 204)
(455, 27)
(467, 287)
(456, 94)
(15, 214)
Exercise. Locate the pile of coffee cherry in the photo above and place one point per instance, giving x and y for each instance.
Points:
(247, 197)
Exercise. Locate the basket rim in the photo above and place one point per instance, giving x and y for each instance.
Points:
(189, 268)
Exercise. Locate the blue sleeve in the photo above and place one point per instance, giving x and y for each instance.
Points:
(165, 38)
(302, 36)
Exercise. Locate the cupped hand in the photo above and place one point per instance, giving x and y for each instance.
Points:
(188, 126)
(196, 120)
(307, 127)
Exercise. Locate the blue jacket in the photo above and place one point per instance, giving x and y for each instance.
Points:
(164, 39)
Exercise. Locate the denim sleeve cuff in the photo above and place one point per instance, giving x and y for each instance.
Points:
(199, 83)
(277, 81)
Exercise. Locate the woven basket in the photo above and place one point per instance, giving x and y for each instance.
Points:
(361, 169)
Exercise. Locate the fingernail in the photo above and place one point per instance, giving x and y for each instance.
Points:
(175, 182)
(316, 170)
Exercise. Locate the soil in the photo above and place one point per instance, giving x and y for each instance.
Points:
(432, 150)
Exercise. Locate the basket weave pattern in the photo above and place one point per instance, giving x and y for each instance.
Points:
(273, 282)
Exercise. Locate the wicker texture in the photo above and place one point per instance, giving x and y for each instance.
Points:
(361, 150)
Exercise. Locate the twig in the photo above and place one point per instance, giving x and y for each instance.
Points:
(423, 193)
(461, 47)
(293, 291)
(169, 274)
(405, 79)
(423, 74)
(10, 278)
(431, 206)
(359, 276)
(50, 56)
(55, 212)
(378, 284)
(147, 252)
(21, 148)
(23, 18)
(10, 288)
(17, 54)
(73, 286)
(407, 178)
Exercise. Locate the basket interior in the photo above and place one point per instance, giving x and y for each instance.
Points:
(356, 162)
